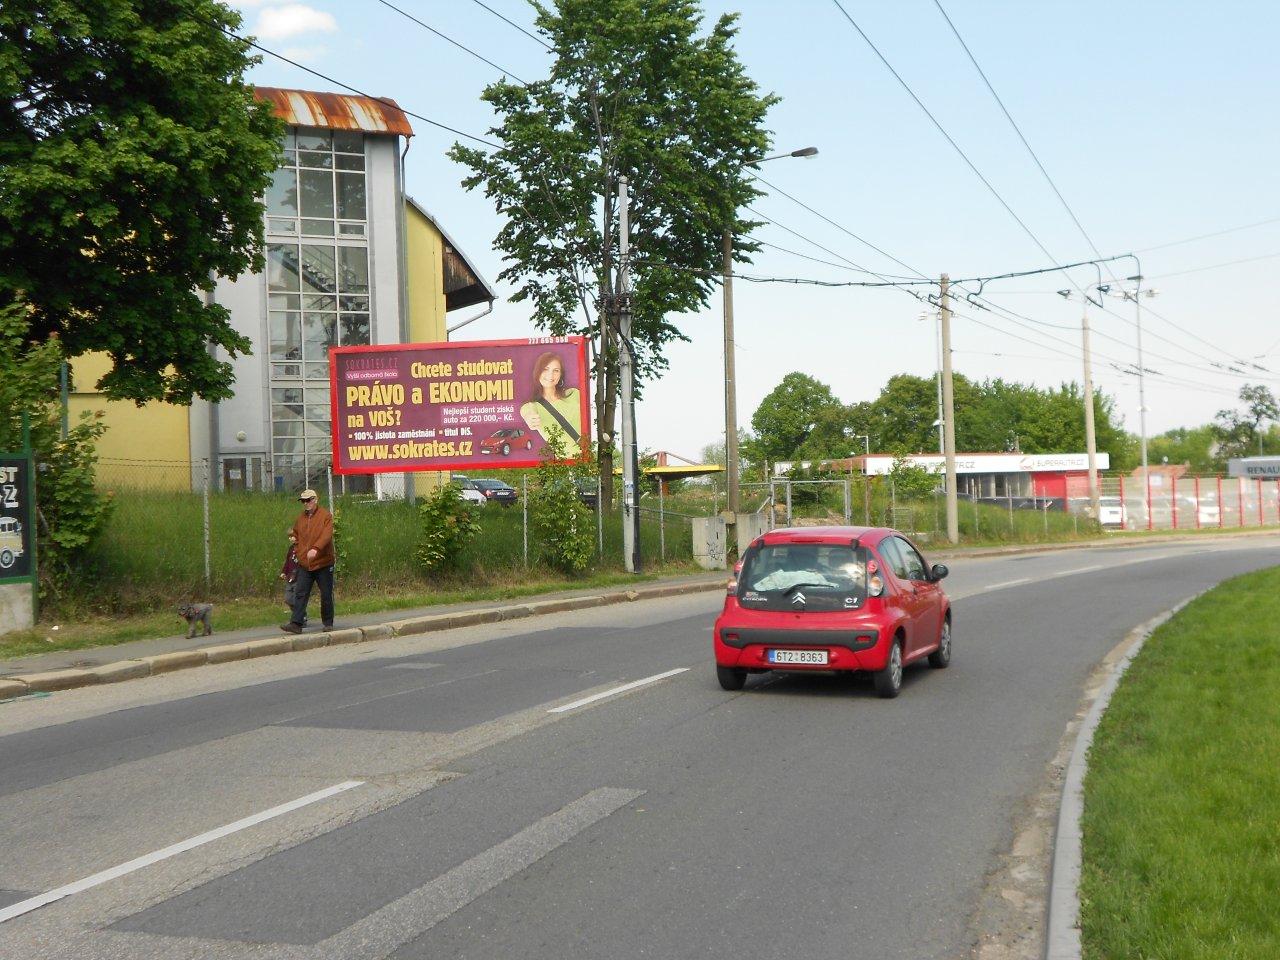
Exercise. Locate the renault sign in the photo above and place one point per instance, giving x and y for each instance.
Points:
(1255, 468)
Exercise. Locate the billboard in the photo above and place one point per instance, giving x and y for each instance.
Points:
(410, 407)
(17, 516)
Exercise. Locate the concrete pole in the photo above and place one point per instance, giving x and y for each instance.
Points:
(949, 416)
(730, 388)
(630, 457)
(1090, 437)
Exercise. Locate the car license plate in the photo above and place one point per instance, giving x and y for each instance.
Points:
(798, 656)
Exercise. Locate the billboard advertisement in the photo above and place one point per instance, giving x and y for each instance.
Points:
(410, 407)
(17, 515)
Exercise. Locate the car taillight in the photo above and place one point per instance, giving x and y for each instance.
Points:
(731, 588)
(875, 586)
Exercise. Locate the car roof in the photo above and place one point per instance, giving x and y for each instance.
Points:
(869, 536)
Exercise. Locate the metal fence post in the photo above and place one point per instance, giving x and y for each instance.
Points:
(848, 507)
(662, 521)
(788, 482)
(204, 496)
(524, 515)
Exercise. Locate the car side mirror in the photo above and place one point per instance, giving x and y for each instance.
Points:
(939, 571)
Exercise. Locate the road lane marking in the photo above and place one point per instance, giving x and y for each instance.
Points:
(79, 886)
(616, 690)
(1068, 573)
(1007, 583)
(402, 920)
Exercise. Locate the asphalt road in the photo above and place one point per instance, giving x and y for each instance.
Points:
(453, 796)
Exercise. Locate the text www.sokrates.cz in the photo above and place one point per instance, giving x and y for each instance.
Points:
(410, 450)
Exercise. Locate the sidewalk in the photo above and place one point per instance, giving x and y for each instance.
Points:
(67, 669)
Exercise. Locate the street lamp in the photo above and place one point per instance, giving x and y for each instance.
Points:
(730, 382)
(1135, 295)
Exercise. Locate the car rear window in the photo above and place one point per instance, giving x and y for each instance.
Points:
(828, 576)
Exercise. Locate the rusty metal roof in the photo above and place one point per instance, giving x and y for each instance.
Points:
(337, 111)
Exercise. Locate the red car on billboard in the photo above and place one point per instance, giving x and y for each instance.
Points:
(505, 440)
(833, 598)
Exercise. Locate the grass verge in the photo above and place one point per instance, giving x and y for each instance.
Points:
(97, 631)
(1182, 800)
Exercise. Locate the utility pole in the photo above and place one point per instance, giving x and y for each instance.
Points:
(1090, 438)
(630, 456)
(948, 416)
(730, 391)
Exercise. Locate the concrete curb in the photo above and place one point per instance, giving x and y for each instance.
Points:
(56, 680)
(1062, 938)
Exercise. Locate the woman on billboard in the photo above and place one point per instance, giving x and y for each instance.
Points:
(553, 410)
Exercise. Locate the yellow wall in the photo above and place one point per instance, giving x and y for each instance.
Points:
(424, 256)
(147, 446)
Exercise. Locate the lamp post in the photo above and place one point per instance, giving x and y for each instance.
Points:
(730, 381)
(866, 480)
(1136, 295)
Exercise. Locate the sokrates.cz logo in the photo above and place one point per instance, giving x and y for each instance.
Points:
(370, 367)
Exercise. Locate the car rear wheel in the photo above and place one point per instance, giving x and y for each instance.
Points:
(731, 678)
(942, 656)
(889, 680)
(506, 449)
(6, 558)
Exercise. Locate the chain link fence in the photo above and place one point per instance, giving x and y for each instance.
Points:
(1165, 503)
(176, 533)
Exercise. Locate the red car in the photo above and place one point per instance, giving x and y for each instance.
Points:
(833, 598)
(506, 440)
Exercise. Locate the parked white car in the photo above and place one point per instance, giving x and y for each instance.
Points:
(1111, 512)
(469, 491)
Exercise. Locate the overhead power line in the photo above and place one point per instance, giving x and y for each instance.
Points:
(531, 36)
(1018, 130)
(355, 90)
(947, 136)
(1214, 266)
(1207, 236)
(449, 39)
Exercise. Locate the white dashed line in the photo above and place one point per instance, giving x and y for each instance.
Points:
(1007, 583)
(79, 886)
(622, 689)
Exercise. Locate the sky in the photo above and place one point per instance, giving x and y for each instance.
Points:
(1155, 120)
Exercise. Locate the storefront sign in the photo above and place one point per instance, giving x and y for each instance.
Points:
(1258, 468)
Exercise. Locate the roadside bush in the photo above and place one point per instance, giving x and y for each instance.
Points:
(561, 523)
(447, 524)
(70, 512)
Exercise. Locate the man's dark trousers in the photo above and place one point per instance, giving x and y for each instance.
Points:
(322, 578)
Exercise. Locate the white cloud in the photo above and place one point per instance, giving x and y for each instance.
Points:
(291, 20)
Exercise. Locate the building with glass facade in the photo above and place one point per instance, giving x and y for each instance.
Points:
(350, 259)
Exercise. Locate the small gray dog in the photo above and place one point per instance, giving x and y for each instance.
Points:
(196, 614)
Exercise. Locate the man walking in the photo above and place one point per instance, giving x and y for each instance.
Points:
(314, 530)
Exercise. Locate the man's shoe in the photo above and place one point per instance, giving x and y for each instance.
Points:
(290, 627)
(328, 626)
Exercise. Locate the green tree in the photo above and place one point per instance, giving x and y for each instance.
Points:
(788, 416)
(633, 91)
(1193, 446)
(1239, 432)
(70, 512)
(132, 157)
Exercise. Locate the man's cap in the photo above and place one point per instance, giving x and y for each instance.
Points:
(308, 494)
